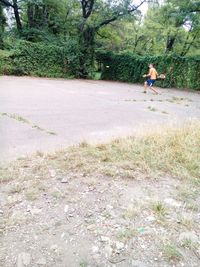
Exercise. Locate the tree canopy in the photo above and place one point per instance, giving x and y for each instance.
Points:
(168, 27)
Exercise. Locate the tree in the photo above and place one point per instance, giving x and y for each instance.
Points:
(15, 7)
(95, 15)
(172, 27)
(2, 25)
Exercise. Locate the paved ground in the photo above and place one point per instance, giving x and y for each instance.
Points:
(44, 114)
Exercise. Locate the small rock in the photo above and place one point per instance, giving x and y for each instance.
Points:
(105, 239)
(190, 236)
(108, 251)
(1, 212)
(64, 181)
(66, 208)
(52, 173)
(91, 227)
(35, 211)
(63, 235)
(95, 249)
(137, 263)
(41, 261)
(54, 247)
(119, 245)
(150, 219)
(24, 259)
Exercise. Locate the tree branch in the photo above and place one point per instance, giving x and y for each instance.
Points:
(120, 14)
(6, 3)
(87, 7)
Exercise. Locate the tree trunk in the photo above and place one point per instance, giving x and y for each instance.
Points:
(170, 44)
(86, 59)
(1, 41)
(187, 45)
(30, 15)
(17, 16)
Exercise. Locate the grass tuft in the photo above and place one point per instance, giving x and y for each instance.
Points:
(172, 253)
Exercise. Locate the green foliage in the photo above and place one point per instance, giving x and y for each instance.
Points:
(42, 59)
(181, 72)
(5, 62)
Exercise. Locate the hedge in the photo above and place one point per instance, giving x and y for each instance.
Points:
(181, 72)
(41, 59)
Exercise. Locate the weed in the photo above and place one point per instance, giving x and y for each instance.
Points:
(188, 243)
(57, 194)
(172, 253)
(152, 108)
(31, 195)
(15, 189)
(83, 264)
(126, 234)
(159, 209)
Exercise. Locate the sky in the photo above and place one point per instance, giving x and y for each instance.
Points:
(144, 8)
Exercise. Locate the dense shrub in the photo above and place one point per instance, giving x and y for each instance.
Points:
(41, 59)
(5, 62)
(181, 72)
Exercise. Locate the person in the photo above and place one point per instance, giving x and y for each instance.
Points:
(153, 75)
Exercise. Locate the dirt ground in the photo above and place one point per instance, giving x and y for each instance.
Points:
(56, 113)
(61, 218)
(56, 213)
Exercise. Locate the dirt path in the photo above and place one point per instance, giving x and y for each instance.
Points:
(44, 115)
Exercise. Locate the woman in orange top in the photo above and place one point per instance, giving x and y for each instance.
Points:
(153, 75)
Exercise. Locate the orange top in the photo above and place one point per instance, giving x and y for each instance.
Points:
(153, 74)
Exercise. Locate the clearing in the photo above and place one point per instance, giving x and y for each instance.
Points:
(133, 202)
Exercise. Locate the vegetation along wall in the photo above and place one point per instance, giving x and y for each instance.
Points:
(181, 72)
(40, 59)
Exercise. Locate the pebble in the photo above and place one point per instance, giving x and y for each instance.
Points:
(137, 263)
(52, 173)
(108, 251)
(66, 208)
(95, 249)
(1, 211)
(41, 261)
(64, 181)
(150, 219)
(119, 245)
(54, 247)
(23, 259)
(35, 211)
(105, 239)
(91, 227)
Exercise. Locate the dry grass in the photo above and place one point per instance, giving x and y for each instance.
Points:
(175, 151)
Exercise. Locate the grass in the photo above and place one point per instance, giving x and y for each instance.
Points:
(159, 209)
(23, 120)
(15, 189)
(83, 264)
(172, 253)
(126, 234)
(32, 195)
(15, 117)
(152, 109)
(170, 150)
(58, 194)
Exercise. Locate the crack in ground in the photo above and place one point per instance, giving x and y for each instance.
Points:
(25, 121)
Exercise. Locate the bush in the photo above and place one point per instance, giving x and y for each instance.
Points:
(41, 59)
(181, 72)
(5, 62)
